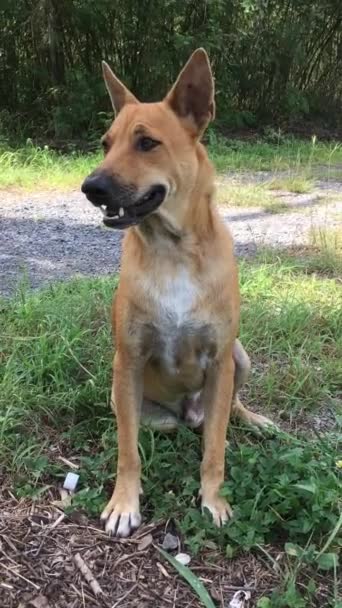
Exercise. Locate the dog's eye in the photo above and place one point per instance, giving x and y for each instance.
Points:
(145, 144)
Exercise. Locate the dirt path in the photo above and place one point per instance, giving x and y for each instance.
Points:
(51, 236)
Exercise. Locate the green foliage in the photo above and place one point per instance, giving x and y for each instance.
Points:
(271, 59)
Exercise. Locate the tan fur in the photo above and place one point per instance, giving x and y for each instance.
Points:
(183, 246)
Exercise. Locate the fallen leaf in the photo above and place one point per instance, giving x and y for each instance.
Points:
(145, 542)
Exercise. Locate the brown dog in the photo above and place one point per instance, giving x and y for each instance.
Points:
(176, 310)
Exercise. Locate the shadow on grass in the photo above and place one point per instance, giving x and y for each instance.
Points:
(283, 206)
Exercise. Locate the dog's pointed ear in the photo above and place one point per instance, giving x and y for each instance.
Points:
(118, 93)
(192, 95)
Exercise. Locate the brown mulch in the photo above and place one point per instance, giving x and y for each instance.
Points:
(38, 545)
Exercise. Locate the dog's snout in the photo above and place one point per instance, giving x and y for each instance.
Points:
(97, 186)
(121, 203)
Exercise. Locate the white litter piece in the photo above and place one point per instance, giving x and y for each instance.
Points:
(71, 482)
(240, 599)
(183, 558)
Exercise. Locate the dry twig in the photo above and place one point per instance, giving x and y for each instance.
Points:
(87, 573)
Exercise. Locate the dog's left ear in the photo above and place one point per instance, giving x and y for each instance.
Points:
(192, 95)
(118, 93)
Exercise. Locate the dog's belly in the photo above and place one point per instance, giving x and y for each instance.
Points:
(178, 358)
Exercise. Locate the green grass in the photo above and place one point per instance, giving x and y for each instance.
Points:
(322, 256)
(33, 168)
(298, 184)
(328, 242)
(231, 192)
(235, 194)
(261, 155)
(55, 374)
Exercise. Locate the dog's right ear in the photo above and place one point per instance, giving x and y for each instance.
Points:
(118, 93)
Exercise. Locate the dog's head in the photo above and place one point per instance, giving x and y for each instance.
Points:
(151, 149)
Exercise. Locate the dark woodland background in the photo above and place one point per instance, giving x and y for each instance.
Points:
(275, 61)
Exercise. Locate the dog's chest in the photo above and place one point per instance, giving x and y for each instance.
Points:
(175, 299)
(176, 338)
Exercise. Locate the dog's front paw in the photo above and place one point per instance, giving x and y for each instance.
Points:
(219, 508)
(121, 516)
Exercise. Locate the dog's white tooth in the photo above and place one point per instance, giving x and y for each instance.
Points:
(121, 212)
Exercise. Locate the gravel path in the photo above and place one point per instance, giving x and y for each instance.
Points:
(55, 236)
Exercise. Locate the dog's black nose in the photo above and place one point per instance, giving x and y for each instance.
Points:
(97, 186)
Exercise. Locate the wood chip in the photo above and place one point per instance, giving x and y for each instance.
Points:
(57, 521)
(163, 570)
(70, 464)
(87, 573)
(6, 586)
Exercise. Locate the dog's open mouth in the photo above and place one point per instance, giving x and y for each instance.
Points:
(135, 213)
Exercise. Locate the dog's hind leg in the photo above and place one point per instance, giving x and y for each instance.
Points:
(240, 411)
(242, 369)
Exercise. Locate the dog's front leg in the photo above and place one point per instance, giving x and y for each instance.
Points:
(122, 514)
(217, 396)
